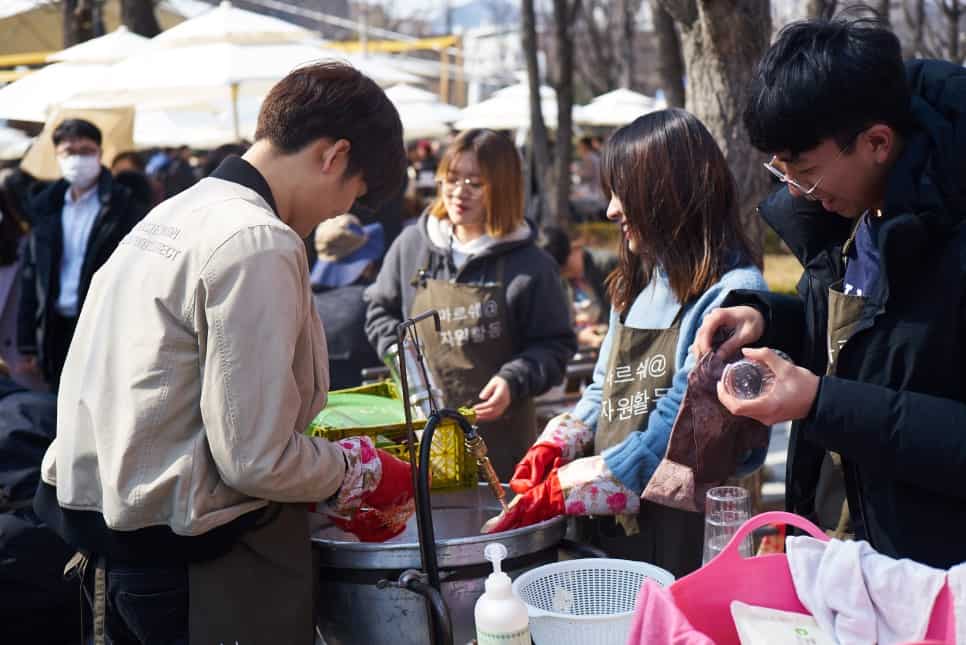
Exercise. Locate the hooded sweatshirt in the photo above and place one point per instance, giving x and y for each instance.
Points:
(538, 311)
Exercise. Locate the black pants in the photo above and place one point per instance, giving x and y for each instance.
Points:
(145, 604)
(59, 333)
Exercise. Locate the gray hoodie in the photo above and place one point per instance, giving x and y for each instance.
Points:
(543, 340)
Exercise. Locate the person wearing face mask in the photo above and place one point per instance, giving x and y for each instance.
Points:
(77, 222)
(506, 334)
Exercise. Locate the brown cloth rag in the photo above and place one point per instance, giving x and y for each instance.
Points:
(707, 442)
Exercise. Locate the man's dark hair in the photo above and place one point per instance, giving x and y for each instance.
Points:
(76, 129)
(826, 78)
(336, 101)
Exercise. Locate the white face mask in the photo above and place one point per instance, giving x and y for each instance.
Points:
(80, 170)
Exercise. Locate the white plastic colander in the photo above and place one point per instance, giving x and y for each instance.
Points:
(584, 602)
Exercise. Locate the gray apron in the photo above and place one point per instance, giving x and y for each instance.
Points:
(472, 346)
(831, 505)
(260, 592)
(640, 370)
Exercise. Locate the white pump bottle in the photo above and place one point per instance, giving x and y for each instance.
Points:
(501, 617)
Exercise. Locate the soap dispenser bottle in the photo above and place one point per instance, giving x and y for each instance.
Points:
(501, 617)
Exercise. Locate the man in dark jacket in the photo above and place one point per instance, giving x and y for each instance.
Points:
(78, 221)
(873, 155)
(37, 604)
(348, 254)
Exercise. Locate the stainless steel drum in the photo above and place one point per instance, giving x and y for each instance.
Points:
(353, 610)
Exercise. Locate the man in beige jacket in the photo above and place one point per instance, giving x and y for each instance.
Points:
(180, 470)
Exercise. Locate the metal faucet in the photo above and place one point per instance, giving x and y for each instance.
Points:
(441, 624)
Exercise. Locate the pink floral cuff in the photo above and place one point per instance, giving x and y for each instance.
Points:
(590, 488)
(363, 473)
(568, 433)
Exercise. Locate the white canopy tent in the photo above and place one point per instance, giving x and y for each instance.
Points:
(106, 49)
(229, 24)
(75, 69)
(213, 76)
(34, 96)
(421, 112)
(616, 108)
(13, 143)
(509, 109)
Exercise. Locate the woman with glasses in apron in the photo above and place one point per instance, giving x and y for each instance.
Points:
(506, 334)
(682, 250)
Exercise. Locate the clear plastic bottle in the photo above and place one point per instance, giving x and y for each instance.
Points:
(749, 379)
(501, 618)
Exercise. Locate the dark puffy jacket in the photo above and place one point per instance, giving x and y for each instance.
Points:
(36, 604)
(120, 212)
(896, 409)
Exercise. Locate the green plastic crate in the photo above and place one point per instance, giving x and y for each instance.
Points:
(450, 464)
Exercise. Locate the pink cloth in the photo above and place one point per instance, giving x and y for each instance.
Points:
(658, 620)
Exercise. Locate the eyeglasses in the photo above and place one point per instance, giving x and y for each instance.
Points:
(469, 185)
(785, 178)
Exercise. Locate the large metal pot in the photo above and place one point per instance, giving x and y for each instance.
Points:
(353, 608)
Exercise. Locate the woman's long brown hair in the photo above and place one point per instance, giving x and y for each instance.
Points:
(681, 204)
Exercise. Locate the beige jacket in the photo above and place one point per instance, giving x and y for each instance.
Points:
(198, 360)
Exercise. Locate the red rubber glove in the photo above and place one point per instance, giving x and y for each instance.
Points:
(383, 511)
(395, 486)
(540, 503)
(535, 466)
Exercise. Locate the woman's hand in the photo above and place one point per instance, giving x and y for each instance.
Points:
(790, 396)
(747, 325)
(495, 398)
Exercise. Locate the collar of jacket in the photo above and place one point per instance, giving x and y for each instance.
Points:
(53, 197)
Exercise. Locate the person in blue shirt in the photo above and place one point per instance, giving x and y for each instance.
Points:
(682, 251)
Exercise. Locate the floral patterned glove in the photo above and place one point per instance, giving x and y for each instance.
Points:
(584, 487)
(563, 439)
(372, 477)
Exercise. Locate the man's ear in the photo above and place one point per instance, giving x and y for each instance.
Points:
(881, 140)
(333, 154)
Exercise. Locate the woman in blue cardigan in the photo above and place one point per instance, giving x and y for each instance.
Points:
(682, 251)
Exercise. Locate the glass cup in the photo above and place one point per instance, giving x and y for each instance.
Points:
(726, 508)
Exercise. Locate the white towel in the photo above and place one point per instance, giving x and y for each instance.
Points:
(860, 595)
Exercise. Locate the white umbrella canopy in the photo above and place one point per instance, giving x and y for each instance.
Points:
(106, 49)
(616, 108)
(194, 75)
(228, 24)
(382, 69)
(13, 143)
(421, 113)
(200, 75)
(509, 109)
(34, 96)
(197, 128)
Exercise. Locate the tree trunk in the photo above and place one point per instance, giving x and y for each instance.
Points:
(564, 14)
(722, 43)
(628, 16)
(138, 16)
(539, 149)
(78, 21)
(670, 64)
(954, 12)
(820, 8)
(883, 9)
